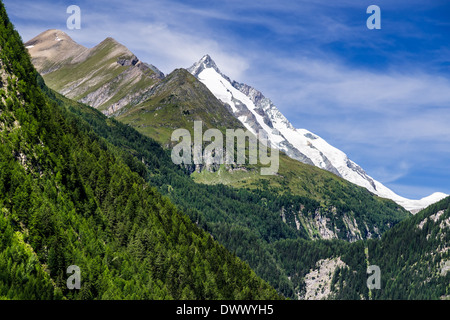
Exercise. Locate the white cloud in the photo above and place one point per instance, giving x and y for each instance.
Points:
(394, 123)
(320, 82)
(167, 34)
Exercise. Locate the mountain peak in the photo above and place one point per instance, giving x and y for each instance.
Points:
(114, 45)
(111, 40)
(207, 59)
(54, 45)
(50, 38)
(204, 63)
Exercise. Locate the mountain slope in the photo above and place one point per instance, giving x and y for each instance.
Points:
(107, 76)
(112, 79)
(68, 198)
(176, 102)
(249, 221)
(179, 99)
(413, 257)
(257, 113)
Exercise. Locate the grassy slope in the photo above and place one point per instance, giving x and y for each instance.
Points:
(176, 102)
(100, 69)
(246, 222)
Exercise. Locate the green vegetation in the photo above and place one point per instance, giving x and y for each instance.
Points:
(176, 102)
(76, 189)
(68, 197)
(247, 221)
(414, 256)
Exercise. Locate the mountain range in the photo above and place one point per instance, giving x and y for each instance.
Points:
(257, 113)
(112, 79)
(81, 188)
(69, 197)
(161, 105)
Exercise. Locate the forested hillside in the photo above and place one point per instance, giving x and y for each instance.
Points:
(68, 198)
(249, 223)
(78, 188)
(414, 256)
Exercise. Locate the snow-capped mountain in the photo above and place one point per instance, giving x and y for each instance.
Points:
(257, 113)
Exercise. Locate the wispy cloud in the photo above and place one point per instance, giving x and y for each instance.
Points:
(394, 123)
(321, 83)
(391, 174)
(159, 32)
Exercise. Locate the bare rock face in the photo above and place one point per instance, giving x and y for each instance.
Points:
(318, 281)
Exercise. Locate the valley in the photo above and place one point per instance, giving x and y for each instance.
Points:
(87, 179)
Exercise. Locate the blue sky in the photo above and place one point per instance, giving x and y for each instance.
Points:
(381, 96)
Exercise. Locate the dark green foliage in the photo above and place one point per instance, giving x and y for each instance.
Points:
(68, 197)
(412, 259)
(246, 221)
(75, 188)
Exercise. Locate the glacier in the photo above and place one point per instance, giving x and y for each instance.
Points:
(257, 113)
